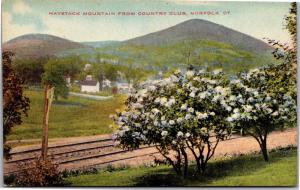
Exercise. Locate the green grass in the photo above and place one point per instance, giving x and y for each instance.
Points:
(70, 117)
(249, 170)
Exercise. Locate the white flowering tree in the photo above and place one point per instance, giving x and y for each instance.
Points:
(180, 114)
(260, 106)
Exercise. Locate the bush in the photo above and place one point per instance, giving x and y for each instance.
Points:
(39, 173)
(262, 104)
(185, 112)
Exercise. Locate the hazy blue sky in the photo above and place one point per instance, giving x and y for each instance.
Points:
(258, 19)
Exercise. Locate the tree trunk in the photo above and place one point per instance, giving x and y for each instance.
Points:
(264, 149)
(101, 79)
(203, 167)
(186, 163)
(198, 165)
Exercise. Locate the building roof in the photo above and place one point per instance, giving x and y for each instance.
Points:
(89, 82)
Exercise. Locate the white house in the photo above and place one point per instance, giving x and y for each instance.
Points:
(124, 87)
(106, 83)
(89, 85)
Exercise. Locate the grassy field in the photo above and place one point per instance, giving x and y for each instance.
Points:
(70, 117)
(249, 170)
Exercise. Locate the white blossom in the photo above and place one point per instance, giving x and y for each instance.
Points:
(164, 133)
(191, 110)
(188, 116)
(179, 134)
(171, 122)
(155, 111)
(183, 107)
(201, 115)
(163, 100)
(275, 113)
(179, 120)
(236, 110)
(190, 74)
(187, 135)
(192, 94)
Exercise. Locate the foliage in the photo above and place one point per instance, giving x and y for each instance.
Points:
(287, 54)
(259, 108)
(133, 75)
(176, 114)
(14, 102)
(56, 71)
(104, 71)
(269, 93)
(30, 70)
(39, 173)
(72, 66)
(54, 76)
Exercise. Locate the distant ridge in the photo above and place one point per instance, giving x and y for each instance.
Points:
(98, 44)
(197, 29)
(40, 45)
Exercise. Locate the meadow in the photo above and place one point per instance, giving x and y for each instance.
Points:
(245, 170)
(69, 117)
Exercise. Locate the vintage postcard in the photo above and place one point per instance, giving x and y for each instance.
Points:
(132, 93)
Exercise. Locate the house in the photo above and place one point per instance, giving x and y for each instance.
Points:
(89, 85)
(106, 83)
(124, 87)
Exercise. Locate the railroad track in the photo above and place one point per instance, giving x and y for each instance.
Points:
(85, 154)
(77, 155)
(71, 153)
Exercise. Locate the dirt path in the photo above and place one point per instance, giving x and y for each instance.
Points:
(228, 148)
(100, 157)
(94, 97)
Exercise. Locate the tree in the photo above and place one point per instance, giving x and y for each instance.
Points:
(30, 71)
(188, 52)
(287, 53)
(179, 113)
(72, 66)
(111, 72)
(54, 76)
(56, 71)
(14, 102)
(104, 71)
(259, 108)
(269, 93)
(134, 75)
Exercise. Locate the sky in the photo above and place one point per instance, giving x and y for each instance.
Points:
(19, 17)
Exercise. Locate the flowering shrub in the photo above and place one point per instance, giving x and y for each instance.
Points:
(260, 107)
(184, 112)
(39, 173)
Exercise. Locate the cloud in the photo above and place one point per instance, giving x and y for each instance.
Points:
(20, 7)
(11, 30)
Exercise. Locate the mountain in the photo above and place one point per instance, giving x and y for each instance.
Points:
(40, 45)
(98, 44)
(198, 29)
